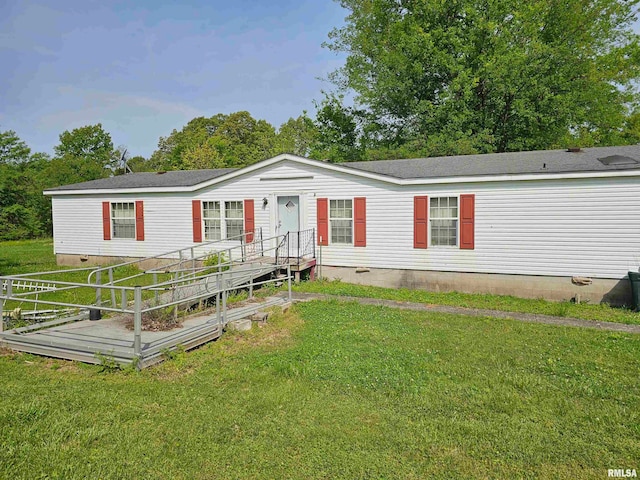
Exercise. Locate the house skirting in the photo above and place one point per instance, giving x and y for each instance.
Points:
(73, 260)
(613, 292)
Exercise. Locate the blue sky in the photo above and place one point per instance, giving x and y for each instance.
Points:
(144, 68)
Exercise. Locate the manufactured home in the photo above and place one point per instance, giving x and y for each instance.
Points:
(555, 224)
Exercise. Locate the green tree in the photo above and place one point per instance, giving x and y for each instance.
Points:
(339, 132)
(204, 155)
(24, 211)
(233, 140)
(85, 153)
(12, 149)
(491, 75)
(297, 136)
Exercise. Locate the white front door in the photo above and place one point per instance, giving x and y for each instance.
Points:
(289, 220)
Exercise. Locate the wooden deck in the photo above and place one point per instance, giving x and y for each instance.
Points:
(93, 341)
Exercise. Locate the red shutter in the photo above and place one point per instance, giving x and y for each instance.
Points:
(467, 221)
(139, 220)
(323, 221)
(420, 221)
(249, 220)
(360, 222)
(106, 221)
(197, 220)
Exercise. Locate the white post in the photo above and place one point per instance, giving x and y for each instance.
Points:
(156, 294)
(224, 300)
(137, 322)
(113, 292)
(289, 279)
(218, 287)
(320, 260)
(98, 289)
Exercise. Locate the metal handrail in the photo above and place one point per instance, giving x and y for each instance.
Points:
(165, 255)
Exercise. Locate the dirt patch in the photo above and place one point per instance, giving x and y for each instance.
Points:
(6, 352)
(157, 321)
(163, 320)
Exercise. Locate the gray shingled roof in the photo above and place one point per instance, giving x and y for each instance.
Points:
(175, 178)
(510, 163)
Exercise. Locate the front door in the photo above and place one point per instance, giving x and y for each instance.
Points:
(289, 220)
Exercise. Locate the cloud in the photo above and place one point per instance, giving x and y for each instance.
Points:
(93, 105)
(136, 121)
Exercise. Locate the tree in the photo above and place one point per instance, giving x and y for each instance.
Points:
(85, 153)
(339, 134)
(205, 155)
(491, 75)
(233, 140)
(12, 149)
(297, 136)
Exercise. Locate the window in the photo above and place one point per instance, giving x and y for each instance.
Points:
(123, 219)
(341, 221)
(443, 217)
(234, 219)
(212, 222)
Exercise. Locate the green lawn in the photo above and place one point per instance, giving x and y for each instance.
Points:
(29, 256)
(337, 390)
(599, 312)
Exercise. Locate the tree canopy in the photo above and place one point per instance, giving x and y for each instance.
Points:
(232, 140)
(465, 76)
(85, 153)
(12, 149)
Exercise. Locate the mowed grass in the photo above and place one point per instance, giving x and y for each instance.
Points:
(30, 256)
(27, 256)
(595, 312)
(337, 390)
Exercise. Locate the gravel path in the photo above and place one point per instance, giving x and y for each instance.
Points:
(477, 312)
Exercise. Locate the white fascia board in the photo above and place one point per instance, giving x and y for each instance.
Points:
(356, 173)
(523, 177)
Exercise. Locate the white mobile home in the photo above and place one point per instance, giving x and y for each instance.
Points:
(526, 223)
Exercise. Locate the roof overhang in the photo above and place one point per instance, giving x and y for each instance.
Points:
(353, 172)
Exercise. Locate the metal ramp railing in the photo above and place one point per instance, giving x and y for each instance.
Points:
(178, 281)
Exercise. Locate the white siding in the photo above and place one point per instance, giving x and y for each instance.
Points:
(587, 227)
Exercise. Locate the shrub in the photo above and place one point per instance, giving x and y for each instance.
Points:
(213, 259)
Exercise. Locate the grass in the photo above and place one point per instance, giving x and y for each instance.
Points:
(595, 312)
(29, 256)
(337, 390)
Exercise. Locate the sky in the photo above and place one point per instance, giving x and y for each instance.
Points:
(144, 68)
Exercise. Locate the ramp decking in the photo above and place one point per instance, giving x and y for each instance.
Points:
(191, 282)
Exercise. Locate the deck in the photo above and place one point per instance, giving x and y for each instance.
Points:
(177, 285)
(92, 341)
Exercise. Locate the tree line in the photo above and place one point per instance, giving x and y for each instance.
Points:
(424, 78)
